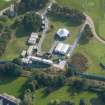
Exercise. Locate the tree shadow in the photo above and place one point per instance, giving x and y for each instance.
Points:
(67, 22)
(21, 32)
(74, 91)
(96, 101)
(47, 92)
(6, 79)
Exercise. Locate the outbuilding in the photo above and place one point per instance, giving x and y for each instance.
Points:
(61, 48)
(6, 99)
(33, 38)
(23, 54)
(63, 33)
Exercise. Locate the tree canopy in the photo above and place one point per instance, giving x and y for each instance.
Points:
(10, 69)
(32, 21)
(29, 5)
(86, 35)
(75, 16)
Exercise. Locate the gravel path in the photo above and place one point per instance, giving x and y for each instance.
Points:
(92, 26)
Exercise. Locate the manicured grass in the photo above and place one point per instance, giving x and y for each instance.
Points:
(94, 50)
(94, 8)
(101, 29)
(14, 48)
(4, 4)
(59, 23)
(12, 86)
(62, 94)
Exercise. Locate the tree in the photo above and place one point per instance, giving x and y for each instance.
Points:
(1, 27)
(29, 5)
(10, 69)
(57, 102)
(86, 35)
(73, 15)
(102, 96)
(28, 98)
(32, 85)
(4, 38)
(17, 61)
(32, 21)
(77, 85)
(82, 102)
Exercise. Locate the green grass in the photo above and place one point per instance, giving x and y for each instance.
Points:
(12, 86)
(4, 4)
(62, 94)
(14, 48)
(101, 29)
(94, 50)
(94, 8)
(59, 23)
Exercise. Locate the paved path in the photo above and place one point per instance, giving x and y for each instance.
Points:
(77, 40)
(92, 26)
(4, 10)
(90, 22)
(44, 14)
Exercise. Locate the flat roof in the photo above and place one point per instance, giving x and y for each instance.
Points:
(62, 32)
(33, 37)
(62, 48)
(8, 100)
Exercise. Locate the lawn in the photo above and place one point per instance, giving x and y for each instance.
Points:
(4, 4)
(12, 86)
(62, 94)
(59, 23)
(14, 48)
(94, 50)
(94, 8)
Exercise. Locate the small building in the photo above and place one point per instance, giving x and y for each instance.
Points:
(33, 38)
(63, 33)
(31, 59)
(41, 60)
(6, 99)
(23, 54)
(26, 61)
(31, 49)
(62, 48)
(12, 12)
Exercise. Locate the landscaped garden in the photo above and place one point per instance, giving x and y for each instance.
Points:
(94, 8)
(11, 85)
(93, 50)
(55, 24)
(63, 94)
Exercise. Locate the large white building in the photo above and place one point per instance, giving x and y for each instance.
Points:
(6, 99)
(62, 48)
(33, 38)
(39, 59)
(63, 33)
(30, 59)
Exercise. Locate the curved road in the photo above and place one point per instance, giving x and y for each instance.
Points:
(92, 26)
